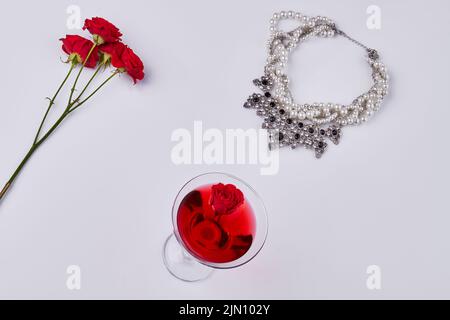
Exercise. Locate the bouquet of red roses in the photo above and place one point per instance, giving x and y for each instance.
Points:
(106, 49)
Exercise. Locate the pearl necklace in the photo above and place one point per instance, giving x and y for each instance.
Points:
(309, 125)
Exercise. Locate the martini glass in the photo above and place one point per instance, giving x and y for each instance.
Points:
(204, 240)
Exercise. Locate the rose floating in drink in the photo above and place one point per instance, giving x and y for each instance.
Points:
(215, 223)
(219, 222)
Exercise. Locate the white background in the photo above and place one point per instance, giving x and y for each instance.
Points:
(98, 194)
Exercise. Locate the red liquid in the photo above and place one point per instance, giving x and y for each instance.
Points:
(211, 237)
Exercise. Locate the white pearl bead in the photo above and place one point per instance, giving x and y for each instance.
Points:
(301, 115)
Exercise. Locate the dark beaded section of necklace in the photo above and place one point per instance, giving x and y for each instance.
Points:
(287, 131)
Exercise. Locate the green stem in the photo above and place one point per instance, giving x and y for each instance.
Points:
(33, 148)
(52, 102)
(52, 129)
(94, 92)
(40, 141)
(88, 83)
(17, 171)
(30, 152)
(68, 111)
(78, 75)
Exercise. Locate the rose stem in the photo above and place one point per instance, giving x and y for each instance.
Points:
(38, 142)
(94, 92)
(52, 102)
(79, 73)
(33, 146)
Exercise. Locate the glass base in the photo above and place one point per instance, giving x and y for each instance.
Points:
(181, 265)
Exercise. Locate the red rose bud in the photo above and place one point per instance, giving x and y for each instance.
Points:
(78, 49)
(124, 59)
(102, 30)
(225, 199)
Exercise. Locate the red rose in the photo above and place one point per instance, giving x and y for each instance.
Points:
(122, 57)
(113, 53)
(133, 64)
(102, 30)
(226, 198)
(78, 49)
